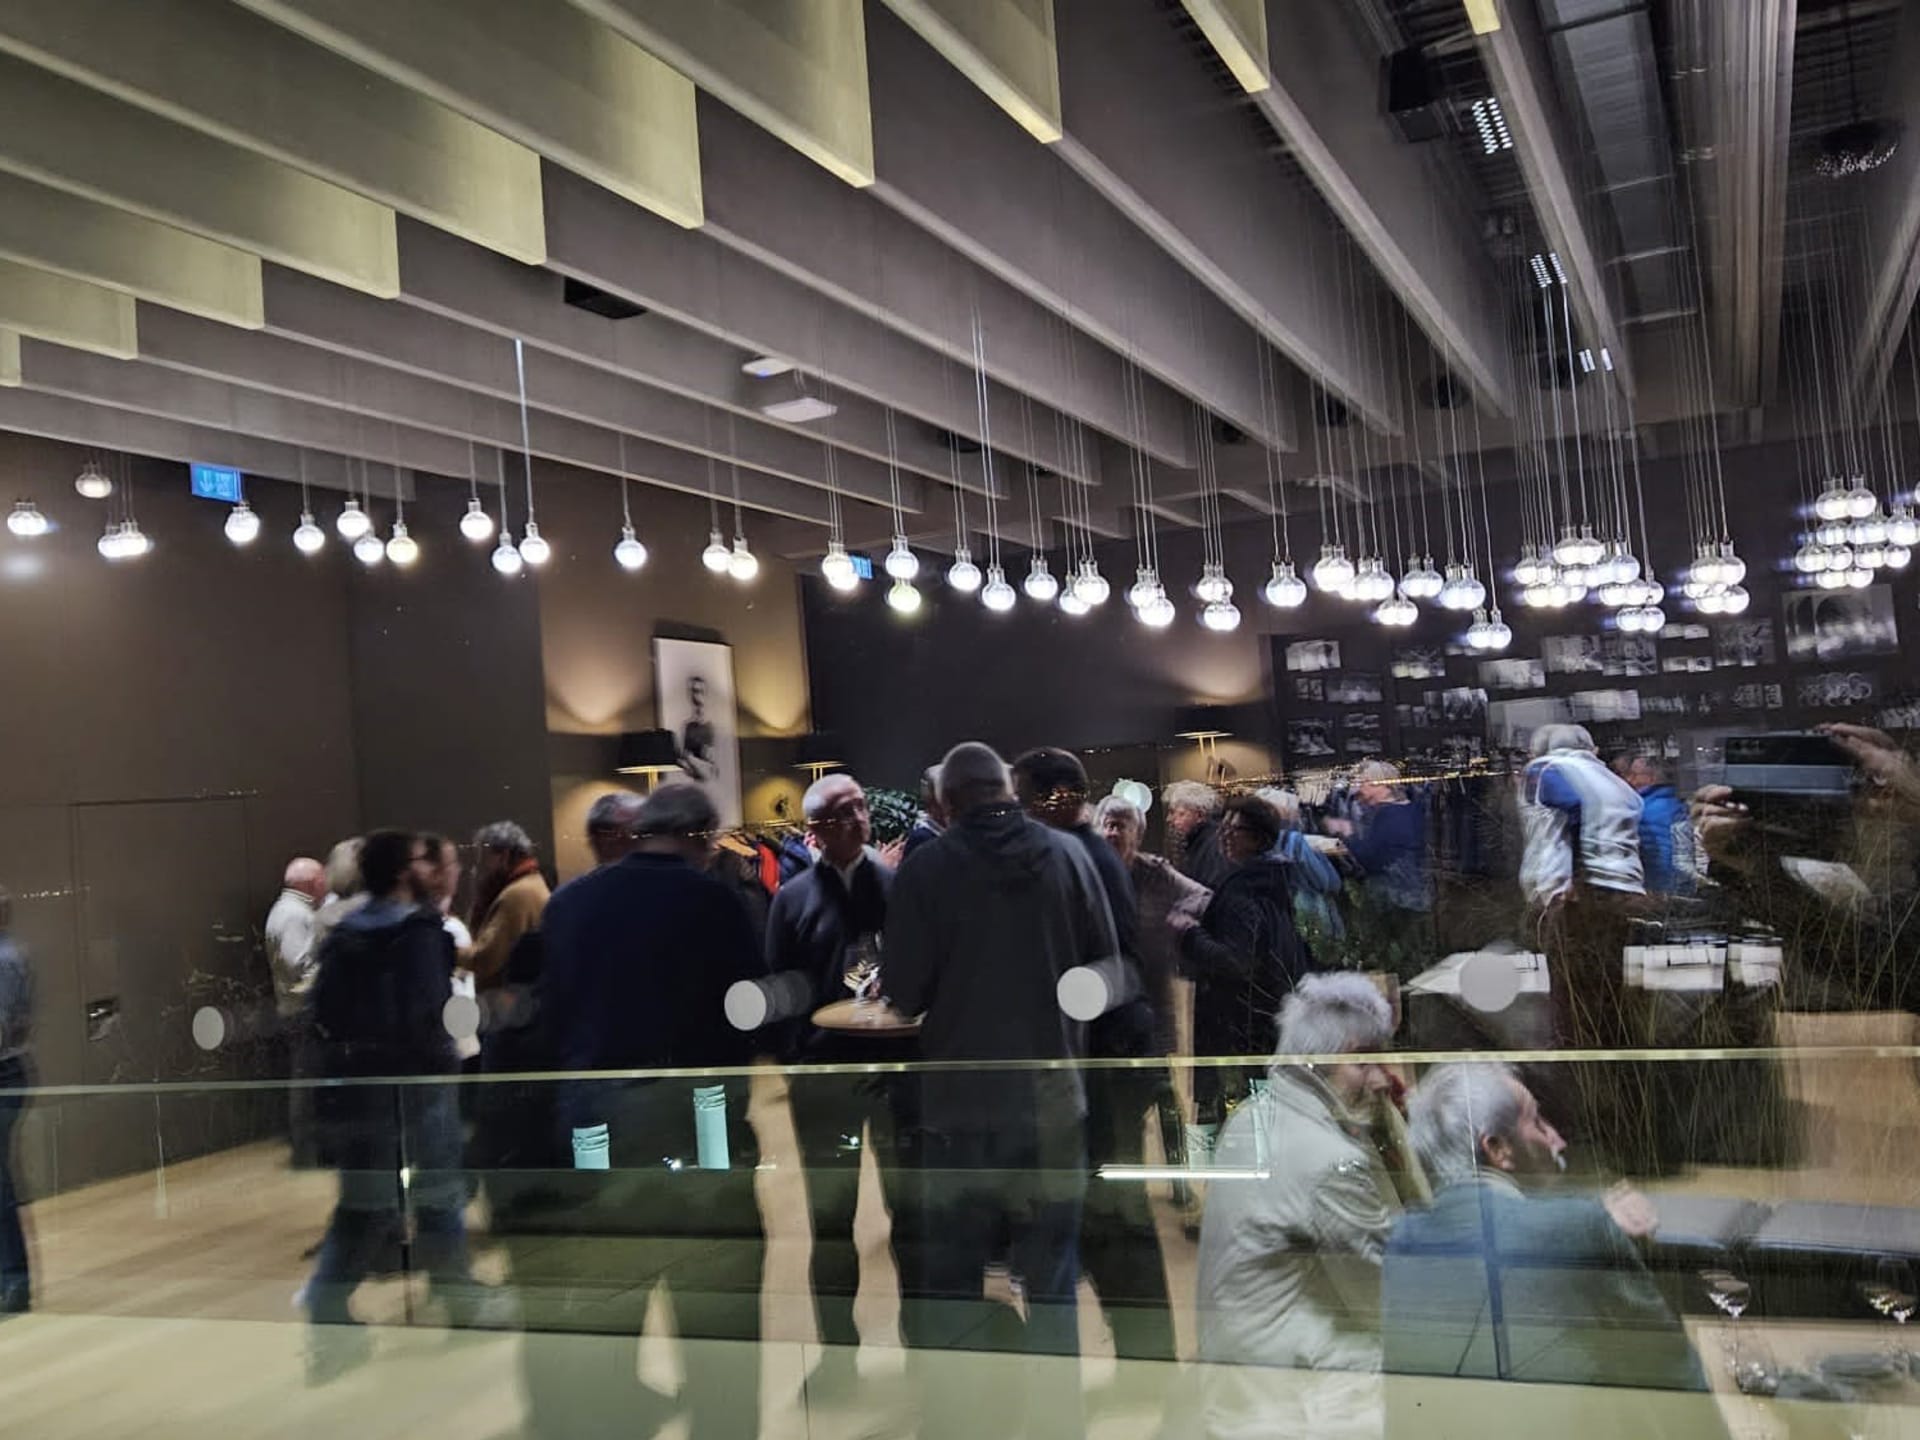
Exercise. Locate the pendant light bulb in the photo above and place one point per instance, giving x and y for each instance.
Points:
(1286, 590)
(1071, 603)
(92, 482)
(506, 559)
(308, 538)
(628, 553)
(534, 548)
(902, 563)
(742, 564)
(1860, 501)
(1040, 584)
(716, 557)
(1902, 528)
(368, 550)
(1158, 613)
(243, 524)
(963, 575)
(1898, 556)
(1831, 503)
(1221, 616)
(402, 548)
(109, 542)
(353, 521)
(997, 595)
(476, 524)
(902, 598)
(28, 523)
(1332, 572)
(1090, 585)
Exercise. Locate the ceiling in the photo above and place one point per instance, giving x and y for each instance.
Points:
(1052, 254)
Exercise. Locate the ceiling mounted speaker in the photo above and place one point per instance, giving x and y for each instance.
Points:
(1412, 95)
(1225, 432)
(596, 301)
(959, 444)
(1333, 413)
(1444, 392)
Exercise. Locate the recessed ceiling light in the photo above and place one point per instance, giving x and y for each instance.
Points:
(764, 367)
(799, 409)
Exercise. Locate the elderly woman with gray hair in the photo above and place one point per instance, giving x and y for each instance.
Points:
(1168, 904)
(1298, 1215)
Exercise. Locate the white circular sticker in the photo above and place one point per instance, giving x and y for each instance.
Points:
(1489, 982)
(747, 1005)
(461, 1016)
(209, 1028)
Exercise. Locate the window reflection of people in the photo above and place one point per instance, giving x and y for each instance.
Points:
(697, 756)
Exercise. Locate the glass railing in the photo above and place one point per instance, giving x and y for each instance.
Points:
(1636, 1242)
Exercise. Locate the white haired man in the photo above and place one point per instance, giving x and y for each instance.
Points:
(1193, 824)
(1491, 1283)
(1295, 1229)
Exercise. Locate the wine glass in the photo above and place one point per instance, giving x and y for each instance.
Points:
(1892, 1296)
(862, 971)
(1730, 1296)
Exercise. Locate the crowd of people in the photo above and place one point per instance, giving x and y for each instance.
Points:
(1085, 1015)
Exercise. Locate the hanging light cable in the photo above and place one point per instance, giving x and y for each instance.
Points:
(534, 548)
(476, 524)
(308, 537)
(997, 595)
(628, 553)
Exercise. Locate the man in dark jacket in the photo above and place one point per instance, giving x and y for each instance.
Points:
(981, 924)
(1245, 954)
(1491, 1283)
(1119, 1243)
(378, 1005)
(639, 956)
(826, 922)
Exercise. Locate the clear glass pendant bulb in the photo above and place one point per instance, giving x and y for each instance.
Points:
(28, 523)
(1040, 583)
(742, 563)
(1902, 528)
(1861, 502)
(1333, 571)
(836, 567)
(1090, 585)
(353, 522)
(901, 562)
(402, 548)
(308, 537)
(1897, 557)
(1831, 503)
(1285, 590)
(92, 482)
(506, 559)
(1146, 585)
(1071, 604)
(716, 557)
(902, 598)
(534, 548)
(476, 524)
(368, 550)
(628, 552)
(1158, 613)
(1220, 616)
(963, 575)
(997, 595)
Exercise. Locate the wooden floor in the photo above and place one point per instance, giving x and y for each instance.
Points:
(165, 1305)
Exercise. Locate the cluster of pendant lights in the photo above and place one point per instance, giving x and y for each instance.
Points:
(1853, 538)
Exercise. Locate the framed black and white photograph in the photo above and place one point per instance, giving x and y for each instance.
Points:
(1602, 707)
(694, 682)
(1573, 654)
(1420, 662)
(1836, 690)
(1309, 739)
(1635, 656)
(1309, 687)
(1828, 625)
(1460, 704)
(1743, 644)
(1513, 673)
(1310, 656)
(1356, 687)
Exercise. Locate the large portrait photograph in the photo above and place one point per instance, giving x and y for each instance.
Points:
(694, 682)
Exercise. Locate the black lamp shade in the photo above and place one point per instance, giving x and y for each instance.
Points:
(822, 748)
(644, 752)
(1212, 721)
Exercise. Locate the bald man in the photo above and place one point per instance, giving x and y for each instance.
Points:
(292, 940)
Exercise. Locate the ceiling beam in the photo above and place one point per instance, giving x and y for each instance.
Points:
(543, 74)
(1237, 30)
(797, 68)
(78, 140)
(72, 236)
(1747, 92)
(1514, 53)
(1006, 47)
(1889, 282)
(73, 312)
(9, 358)
(556, 388)
(691, 278)
(469, 348)
(432, 432)
(216, 68)
(950, 163)
(774, 209)
(1392, 197)
(1150, 131)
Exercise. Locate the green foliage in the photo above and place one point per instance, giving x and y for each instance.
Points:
(893, 812)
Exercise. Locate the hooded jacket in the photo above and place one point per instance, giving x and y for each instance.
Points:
(1243, 958)
(981, 924)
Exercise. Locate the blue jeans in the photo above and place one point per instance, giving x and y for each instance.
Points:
(16, 1284)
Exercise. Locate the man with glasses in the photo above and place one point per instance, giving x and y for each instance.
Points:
(826, 923)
